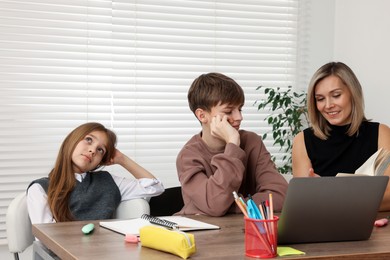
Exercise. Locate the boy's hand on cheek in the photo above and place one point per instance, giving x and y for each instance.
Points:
(221, 128)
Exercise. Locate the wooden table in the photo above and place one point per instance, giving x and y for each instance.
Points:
(67, 241)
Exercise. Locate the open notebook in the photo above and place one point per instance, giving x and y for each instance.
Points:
(132, 226)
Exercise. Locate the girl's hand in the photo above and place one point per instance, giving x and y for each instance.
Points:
(131, 166)
(118, 158)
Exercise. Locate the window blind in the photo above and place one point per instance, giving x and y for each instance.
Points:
(128, 64)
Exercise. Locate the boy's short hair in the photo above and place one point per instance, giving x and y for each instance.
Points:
(211, 89)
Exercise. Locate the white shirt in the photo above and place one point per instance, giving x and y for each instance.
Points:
(39, 210)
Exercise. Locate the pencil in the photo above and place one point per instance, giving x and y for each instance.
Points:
(271, 207)
(239, 204)
(236, 197)
(271, 217)
(265, 224)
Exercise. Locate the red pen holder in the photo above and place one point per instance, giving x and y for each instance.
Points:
(261, 237)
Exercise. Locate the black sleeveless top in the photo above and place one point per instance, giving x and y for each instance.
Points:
(96, 197)
(340, 152)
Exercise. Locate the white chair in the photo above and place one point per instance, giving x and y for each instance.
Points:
(18, 224)
(134, 208)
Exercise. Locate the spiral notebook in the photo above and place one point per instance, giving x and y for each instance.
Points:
(132, 226)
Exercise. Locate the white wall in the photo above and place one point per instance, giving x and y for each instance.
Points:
(316, 34)
(362, 40)
(356, 32)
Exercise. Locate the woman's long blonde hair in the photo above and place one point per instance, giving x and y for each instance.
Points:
(61, 177)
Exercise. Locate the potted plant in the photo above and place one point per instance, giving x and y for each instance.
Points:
(288, 117)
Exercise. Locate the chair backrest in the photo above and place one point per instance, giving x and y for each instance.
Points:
(18, 225)
(168, 203)
(134, 208)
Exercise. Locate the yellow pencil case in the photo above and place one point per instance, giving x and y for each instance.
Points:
(172, 241)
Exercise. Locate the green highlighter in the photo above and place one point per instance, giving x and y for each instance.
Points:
(87, 229)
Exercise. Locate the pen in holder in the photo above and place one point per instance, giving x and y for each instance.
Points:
(261, 237)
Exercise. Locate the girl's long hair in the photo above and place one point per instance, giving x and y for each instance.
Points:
(61, 178)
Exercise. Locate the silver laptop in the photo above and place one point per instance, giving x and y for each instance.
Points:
(330, 209)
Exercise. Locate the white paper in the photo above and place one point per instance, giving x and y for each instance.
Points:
(132, 226)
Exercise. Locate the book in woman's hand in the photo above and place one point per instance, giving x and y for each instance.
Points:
(376, 165)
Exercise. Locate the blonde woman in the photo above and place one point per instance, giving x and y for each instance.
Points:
(340, 138)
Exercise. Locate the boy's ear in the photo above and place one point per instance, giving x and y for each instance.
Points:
(201, 115)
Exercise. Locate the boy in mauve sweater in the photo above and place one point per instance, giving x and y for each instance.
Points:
(222, 158)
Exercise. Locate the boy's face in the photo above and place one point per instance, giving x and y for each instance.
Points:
(233, 113)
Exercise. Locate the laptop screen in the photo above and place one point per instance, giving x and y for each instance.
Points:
(330, 209)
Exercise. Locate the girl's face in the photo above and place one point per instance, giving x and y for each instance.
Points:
(333, 101)
(89, 152)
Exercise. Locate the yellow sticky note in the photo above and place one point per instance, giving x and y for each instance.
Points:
(286, 251)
